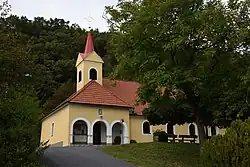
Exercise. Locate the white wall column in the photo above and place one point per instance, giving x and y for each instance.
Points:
(126, 140)
(109, 139)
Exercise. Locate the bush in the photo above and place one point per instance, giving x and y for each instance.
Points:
(162, 136)
(230, 150)
(132, 141)
(20, 129)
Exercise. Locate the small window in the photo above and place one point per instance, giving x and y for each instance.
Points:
(170, 128)
(146, 128)
(191, 130)
(213, 131)
(52, 129)
(80, 76)
(92, 74)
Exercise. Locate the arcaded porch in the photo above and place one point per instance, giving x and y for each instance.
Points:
(98, 132)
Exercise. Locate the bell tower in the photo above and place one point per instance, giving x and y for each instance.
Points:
(89, 65)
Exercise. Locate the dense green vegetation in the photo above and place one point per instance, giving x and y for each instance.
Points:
(192, 58)
(232, 149)
(37, 70)
(157, 154)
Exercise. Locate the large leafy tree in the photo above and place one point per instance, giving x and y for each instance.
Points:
(190, 57)
(19, 109)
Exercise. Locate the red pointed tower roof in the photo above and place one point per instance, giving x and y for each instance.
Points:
(89, 47)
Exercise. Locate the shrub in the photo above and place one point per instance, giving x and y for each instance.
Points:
(162, 136)
(132, 141)
(229, 150)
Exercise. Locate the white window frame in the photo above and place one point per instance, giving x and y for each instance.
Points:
(174, 130)
(96, 73)
(52, 132)
(150, 128)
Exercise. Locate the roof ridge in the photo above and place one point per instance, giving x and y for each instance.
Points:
(122, 80)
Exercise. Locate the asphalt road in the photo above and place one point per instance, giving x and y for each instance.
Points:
(88, 156)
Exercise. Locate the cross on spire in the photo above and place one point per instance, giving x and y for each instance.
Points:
(89, 20)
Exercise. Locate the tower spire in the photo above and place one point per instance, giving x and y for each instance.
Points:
(89, 47)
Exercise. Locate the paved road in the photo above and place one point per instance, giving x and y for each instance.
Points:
(88, 156)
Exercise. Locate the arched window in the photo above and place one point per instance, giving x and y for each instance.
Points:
(52, 129)
(80, 76)
(213, 131)
(191, 130)
(170, 128)
(146, 128)
(92, 74)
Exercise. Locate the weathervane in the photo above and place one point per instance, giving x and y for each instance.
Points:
(89, 20)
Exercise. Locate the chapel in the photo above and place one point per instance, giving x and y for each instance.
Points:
(101, 111)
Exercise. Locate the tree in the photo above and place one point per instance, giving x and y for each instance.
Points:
(20, 128)
(54, 44)
(187, 56)
(4, 8)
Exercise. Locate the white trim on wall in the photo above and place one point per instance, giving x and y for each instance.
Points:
(105, 122)
(174, 128)
(97, 72)
(150, 128)
(124, 125)
(72, 125)
(196, 128)
(125, 131)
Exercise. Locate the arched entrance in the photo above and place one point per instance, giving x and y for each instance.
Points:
(117, 133)
(99, 133)
(80, 132)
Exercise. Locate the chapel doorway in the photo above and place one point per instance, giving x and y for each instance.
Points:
(118, 133)
(80, 132)
(99, 133)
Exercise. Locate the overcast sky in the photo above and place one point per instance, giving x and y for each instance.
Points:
(75, 11)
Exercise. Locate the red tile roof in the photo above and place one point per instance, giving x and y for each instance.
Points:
(94, 93)
(127, 90)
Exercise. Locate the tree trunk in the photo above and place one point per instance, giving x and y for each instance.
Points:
(206, 129)
(201, 130)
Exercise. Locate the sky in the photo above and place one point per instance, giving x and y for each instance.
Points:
(83, 12)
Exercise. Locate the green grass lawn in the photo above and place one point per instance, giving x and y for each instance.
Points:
(157, 154)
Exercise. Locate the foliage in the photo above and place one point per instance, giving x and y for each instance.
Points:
(191, 57)
(157, 154)
(162, 136)
(54, 45)
(20, 128)
(62, 93)
(132, 141)
(231, 149)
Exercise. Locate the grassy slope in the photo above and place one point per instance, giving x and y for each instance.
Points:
(157, 154)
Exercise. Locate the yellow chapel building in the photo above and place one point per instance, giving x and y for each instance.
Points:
(104, 111)
(101, 111)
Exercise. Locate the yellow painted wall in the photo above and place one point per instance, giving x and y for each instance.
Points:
(87, 66)
(80, 67)
(92, 61)
(158, 128)
(183, 129)
(136, 130)
(90, 113)
(61, 127)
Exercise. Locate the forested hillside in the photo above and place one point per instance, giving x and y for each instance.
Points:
(53, 46)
